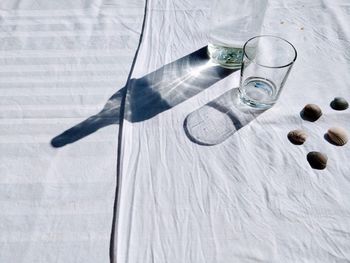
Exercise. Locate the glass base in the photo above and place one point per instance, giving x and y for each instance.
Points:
(258, 92)
(255, 104)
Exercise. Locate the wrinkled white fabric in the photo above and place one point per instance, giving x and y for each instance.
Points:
(253, 197)
(60, 62)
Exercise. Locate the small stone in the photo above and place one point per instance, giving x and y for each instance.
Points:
(297, 137)
(311, 112)
(337, 136)
(339, 103)
(317, 160)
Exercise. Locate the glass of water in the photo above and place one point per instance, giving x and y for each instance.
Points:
(267, 62)
(231, 23)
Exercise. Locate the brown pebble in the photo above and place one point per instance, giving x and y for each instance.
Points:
(317, 160)
(297, 137)
(337, 136)
(311, 112)
(339, 103)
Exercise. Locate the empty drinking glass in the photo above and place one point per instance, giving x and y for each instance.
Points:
(267, 61)
(232, 22)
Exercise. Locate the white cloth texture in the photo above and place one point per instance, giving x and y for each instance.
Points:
(60, 62)
(253, 197)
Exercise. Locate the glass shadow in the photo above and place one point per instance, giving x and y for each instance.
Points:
(151, 95)
(216, 121)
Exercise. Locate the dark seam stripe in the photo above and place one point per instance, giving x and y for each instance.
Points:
(112, 252)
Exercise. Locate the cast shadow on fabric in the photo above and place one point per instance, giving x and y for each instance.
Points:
(219, 119)
(151, 95)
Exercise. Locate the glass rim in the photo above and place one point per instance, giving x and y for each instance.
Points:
(270, 36)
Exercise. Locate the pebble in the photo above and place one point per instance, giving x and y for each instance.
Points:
(337, 136)
(311, 112)
(317, 160)
(297, 137)
(339, 103)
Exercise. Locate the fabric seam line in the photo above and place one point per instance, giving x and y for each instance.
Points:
(112, 254)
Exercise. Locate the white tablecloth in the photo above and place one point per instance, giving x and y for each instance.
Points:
(60, 62)
(251, 198)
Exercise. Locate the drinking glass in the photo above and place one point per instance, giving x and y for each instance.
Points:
(267, 62)
(231, 23)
